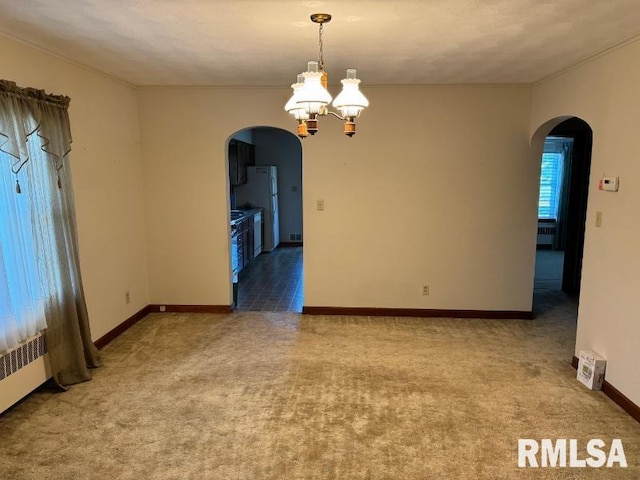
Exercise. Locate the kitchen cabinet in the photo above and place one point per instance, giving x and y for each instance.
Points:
(241, 156)
(245, 242)
(246, 238)
(248, 254)
(257, 234)
(240, 244)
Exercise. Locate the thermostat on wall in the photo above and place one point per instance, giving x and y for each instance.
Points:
(609, 184)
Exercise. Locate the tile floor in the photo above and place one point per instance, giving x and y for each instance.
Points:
(272, 282)
(548, 274)
(548, 297)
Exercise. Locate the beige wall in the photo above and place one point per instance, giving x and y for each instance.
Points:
(605, 94)
(107, 176)
(184, 133)
(435, 188)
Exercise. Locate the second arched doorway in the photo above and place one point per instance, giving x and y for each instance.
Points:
(562, 203)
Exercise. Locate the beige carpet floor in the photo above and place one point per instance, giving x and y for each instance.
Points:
(282, 396)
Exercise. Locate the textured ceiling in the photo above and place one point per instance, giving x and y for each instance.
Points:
(258, 42)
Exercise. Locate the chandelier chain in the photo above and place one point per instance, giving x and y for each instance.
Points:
(321, 53)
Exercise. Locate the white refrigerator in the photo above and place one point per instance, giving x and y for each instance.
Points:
(261, 190)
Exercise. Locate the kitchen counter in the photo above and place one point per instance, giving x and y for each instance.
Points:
(238, 216)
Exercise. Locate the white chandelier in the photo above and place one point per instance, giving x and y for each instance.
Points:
(310, 97)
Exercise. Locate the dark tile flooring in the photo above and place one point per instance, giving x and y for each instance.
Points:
(548, 297)
(548, 274)
(272, 282)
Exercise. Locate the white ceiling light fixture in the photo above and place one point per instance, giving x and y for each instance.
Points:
(311, 98)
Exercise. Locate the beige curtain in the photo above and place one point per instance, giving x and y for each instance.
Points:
(35, 132)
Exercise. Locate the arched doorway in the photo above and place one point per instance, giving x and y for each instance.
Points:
(563, 146)
(265, 205)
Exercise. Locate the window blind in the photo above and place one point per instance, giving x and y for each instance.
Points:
(550, 185)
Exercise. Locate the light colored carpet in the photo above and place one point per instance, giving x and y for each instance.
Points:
(282, 396)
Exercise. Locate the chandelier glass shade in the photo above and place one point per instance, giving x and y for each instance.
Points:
(350, 101)
(292, 105)
(311, 98)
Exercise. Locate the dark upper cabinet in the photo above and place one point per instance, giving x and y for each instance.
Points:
(233, 162)
(241, 155)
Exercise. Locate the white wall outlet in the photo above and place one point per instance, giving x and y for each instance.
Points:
(163, 308)
(127, 297)
(425, 289)
(320, 204)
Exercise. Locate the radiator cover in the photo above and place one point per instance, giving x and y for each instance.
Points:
(22, 355)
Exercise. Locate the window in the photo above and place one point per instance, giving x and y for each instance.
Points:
(22, 296)
(40, 283)
(550, 185)
(553, 159)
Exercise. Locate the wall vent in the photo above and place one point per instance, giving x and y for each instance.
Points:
(295, 237)
(22, 355)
